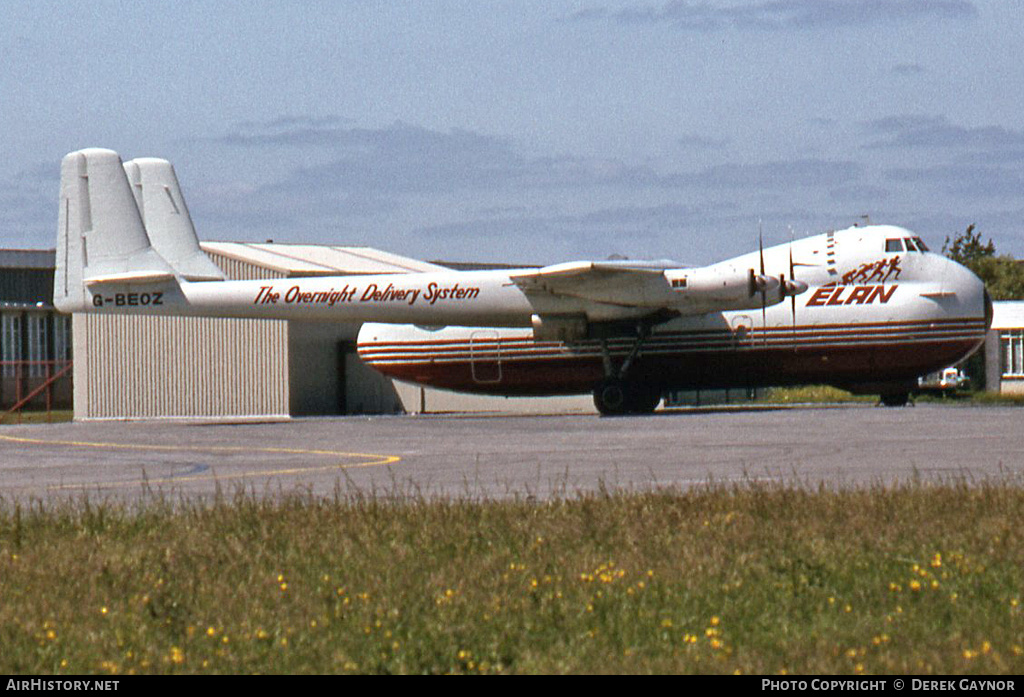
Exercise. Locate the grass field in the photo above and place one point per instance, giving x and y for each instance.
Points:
(37, 417)
(826, 394)
(748, 579)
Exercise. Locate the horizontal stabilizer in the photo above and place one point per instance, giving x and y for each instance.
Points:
(130, 277)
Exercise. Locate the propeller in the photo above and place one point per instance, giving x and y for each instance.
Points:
(792, 287)
(763, 283)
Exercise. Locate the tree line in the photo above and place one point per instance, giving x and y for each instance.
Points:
(1003, 275)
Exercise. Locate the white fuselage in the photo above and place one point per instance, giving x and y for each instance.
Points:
(868, 317)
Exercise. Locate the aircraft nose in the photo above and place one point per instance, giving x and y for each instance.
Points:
(969, 288)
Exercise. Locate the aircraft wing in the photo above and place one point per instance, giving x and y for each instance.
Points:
(626, 283)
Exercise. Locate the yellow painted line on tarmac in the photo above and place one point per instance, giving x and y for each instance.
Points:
(367, 460)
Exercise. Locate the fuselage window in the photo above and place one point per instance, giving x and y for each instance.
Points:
(894, 245)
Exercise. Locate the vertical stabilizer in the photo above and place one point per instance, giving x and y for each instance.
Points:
(100, 235)
(168, 223)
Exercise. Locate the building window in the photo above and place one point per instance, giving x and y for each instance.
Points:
(38, 344)
(10, 343)
(61, 339)
(1013, 353)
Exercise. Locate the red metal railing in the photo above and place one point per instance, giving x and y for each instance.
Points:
(27, 380)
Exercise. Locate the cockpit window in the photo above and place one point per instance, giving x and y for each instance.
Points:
(894, 245)
(911, 247)
(920, 244)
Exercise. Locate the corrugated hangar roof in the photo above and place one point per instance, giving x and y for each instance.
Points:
(318, 260)
(26, 258)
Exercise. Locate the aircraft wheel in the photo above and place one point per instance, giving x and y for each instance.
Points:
(895, 399)
(614, 397)
(611, 397)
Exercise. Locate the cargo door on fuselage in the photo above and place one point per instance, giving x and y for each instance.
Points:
(485, 356)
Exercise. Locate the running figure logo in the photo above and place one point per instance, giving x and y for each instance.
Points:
(874, 272)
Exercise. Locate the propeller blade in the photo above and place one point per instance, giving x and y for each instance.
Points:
(764, 284)
(760, 248)
(764, 319)
(792, 276)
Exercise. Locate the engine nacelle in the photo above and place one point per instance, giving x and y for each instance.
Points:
(724, 288)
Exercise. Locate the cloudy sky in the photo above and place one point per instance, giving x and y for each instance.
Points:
(528, 131)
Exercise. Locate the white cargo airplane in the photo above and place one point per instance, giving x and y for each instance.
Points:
(871, 311)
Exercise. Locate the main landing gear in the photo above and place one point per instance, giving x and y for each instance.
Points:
(617, 394)
(618, 397)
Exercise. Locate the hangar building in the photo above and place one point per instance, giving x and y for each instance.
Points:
(129, 367)
(1004, 349)
(146, 367)
(35, 340)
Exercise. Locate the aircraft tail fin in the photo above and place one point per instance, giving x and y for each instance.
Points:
(101, 239)
(167, 220)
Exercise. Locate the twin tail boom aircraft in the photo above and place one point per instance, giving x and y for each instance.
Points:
(867, 308)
